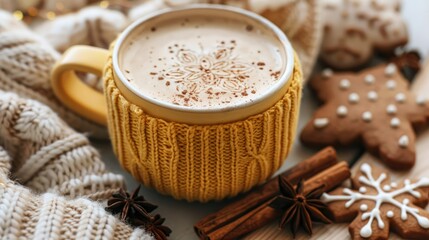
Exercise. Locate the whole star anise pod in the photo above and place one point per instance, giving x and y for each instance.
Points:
(299, 208)
(129, 206)
(154, 226)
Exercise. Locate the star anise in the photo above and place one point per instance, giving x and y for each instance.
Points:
(154, 225)
(129, 206)
(299, 208)
(408, 63)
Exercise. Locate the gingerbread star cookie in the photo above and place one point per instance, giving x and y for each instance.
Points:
(374, 106)
(375, 206)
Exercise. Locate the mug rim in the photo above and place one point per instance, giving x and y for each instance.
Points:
(283, 79)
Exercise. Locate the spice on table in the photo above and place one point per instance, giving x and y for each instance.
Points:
(253, 211)
(155, 226)
(129, 206)
(299, 208)
(136, 211)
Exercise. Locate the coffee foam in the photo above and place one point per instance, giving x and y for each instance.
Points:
(203, 61)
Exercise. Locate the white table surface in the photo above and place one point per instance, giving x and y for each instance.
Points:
(181, 215)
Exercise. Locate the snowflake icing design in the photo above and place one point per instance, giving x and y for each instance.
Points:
(384, 196)
(217, 73)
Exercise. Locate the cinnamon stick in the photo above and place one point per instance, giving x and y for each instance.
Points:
(252, 211)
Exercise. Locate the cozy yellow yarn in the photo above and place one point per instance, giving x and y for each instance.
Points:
(202, 162)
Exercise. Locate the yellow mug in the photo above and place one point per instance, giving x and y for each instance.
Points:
(197, 155)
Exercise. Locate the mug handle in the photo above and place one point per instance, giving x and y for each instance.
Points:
(69, 88)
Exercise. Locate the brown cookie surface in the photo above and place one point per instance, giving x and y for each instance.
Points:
(375, 205)
(374, 106)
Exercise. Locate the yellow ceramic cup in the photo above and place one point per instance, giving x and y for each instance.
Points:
(187, 153)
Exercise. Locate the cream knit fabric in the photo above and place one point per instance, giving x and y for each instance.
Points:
(93, 26)
(25, 215)
(49, 158)
(48, 155)
(25, 64)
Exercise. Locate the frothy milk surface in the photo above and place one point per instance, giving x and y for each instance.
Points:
(202, 61)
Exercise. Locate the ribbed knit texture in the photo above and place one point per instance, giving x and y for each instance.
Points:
(202, 162)
(53, 167)
(25, 64)
(25, 215)
(48, 155)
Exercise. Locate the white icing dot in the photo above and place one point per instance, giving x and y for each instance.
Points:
(370, 79)
(390, 214)
(363, 207)
(400, 98)
(362, 189)
(395, 122)
(367, 116)
(391, 109)
(345, 84)
(372, 96)
(342, 111)
(353, 98)
(394, 185)
(321, 122)
(421, 100)
(404, 141)
(390, 69)
(391, 84)
(327, 73)
(387, 188)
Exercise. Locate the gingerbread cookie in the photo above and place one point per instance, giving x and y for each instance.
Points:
(353, 29)
(376, 206)
(374, 106)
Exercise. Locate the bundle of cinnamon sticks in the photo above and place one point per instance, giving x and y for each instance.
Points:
(253, 211)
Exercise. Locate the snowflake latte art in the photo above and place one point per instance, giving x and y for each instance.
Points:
(202, 61)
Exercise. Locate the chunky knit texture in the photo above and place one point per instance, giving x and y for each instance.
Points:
(49, 158)
(25, 215)
(25, 64)
(202, 162)
(48, 155)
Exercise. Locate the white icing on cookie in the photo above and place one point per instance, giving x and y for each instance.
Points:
(404, 141)
(394, 185)
(400, 98)
(321, 122)
(354, 98)
(345, 84)
(363, 207)
(391, 109)
(387, 188)
(367, 116)
(342, 111)
(372, 96)
(395, 122)
(327, 73)
(391, 84)
(362, 189)
(351, 197)
(369, 79)
(390, 69)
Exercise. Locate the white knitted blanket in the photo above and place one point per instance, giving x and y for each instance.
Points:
(50, 175)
